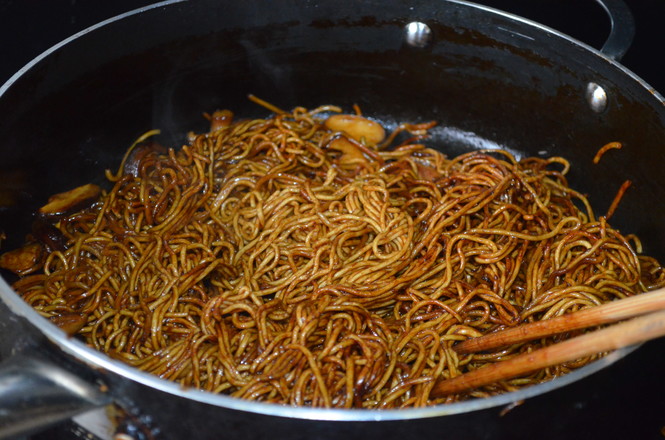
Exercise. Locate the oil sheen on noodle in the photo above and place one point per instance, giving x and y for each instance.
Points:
(315, 258)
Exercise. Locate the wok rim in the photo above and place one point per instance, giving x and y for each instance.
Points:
(98, 360)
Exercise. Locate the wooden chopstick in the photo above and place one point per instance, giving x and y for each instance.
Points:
(610, 338)
(614, 311)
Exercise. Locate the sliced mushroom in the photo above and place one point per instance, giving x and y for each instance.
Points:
(139, 154)
(71, 323)
(220, 119)
(357, 127)
(350, 151)
(70, 201)
(23, 260)
(49, 235)
(353, 153)
(427, 172)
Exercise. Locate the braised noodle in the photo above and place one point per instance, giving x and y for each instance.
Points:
(283, 261)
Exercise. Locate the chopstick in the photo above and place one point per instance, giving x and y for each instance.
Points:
(614, 311)
(620, 335)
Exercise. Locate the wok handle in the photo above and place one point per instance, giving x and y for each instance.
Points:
(622, 29)
(36, 394)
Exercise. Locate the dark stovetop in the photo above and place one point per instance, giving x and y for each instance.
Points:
(625, 401)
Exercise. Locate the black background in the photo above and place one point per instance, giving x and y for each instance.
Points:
(627, 402)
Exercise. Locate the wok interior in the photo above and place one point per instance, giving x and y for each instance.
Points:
(75, 112)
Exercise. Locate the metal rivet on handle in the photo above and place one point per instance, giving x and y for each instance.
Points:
(596, 96)
(417, 34)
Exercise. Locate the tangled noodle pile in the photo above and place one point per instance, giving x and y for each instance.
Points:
(305, 259)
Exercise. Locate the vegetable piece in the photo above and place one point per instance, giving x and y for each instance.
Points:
(23, 260)
(357, 127)
(221, 119)
(353, 153)
(49, 235)
(71, 323)
(350, 151)
(139, 154)
(70, 201)
(427, 172)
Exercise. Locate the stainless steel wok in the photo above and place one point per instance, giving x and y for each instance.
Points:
(491, 79)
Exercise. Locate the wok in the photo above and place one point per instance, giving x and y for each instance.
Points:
(489, 78)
